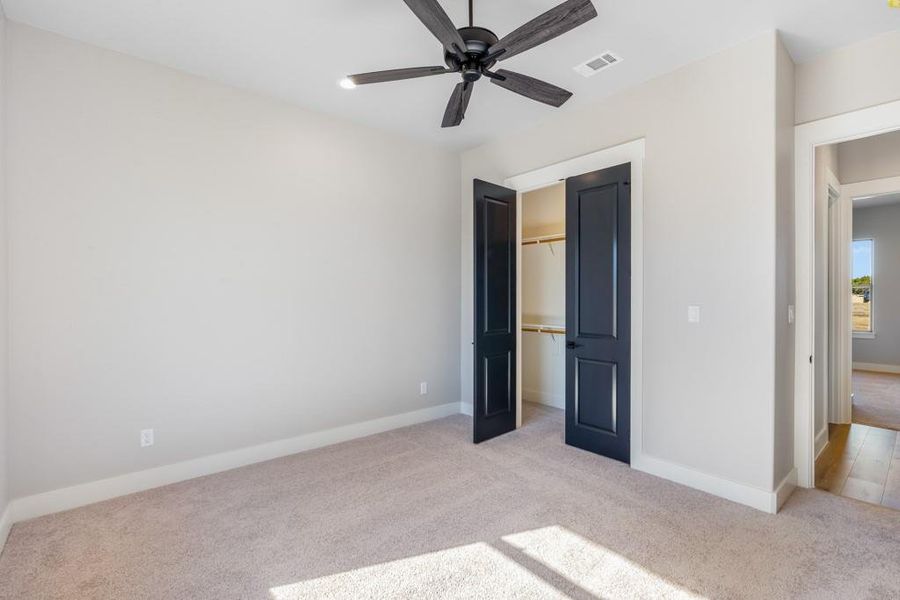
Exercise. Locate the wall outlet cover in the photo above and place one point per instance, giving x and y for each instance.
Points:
(146, 437)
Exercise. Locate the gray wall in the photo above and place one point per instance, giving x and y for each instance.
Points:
(709, 213)
(784, 264)
(4, 289)
(869, 158)
(883, 224)
(849, 78)
(223, 267)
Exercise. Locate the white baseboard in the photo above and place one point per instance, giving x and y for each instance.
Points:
(741, 493)
(466, 408)
(544, 398)
(857, 366)
(784, 490)
(821, 441)
(5, 525)
(46, 503)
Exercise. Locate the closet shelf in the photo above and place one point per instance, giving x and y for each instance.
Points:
(539, 328)
(544, 239)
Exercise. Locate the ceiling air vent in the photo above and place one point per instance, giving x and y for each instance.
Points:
(597, 64)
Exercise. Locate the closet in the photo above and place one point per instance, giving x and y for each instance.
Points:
(543, 273)
(552, 307)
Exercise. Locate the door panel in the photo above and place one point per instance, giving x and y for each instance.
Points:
(596, 254)
(497, 225)
(598, 305)
(594, 376)
(497, 384)
(494, 401)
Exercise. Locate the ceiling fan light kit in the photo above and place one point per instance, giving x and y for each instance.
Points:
(474, 51)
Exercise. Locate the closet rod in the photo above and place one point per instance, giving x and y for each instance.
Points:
(544, 329)
(547, 239)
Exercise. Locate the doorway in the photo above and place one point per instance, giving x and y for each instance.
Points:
(544, 305)
(837, 312)
(583, 361)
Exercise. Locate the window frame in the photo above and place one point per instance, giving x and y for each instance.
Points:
(867, 335)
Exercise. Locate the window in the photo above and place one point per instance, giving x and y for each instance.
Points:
(861, 286)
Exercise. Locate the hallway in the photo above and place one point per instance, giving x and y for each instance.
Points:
(863, 463)
(876, 399)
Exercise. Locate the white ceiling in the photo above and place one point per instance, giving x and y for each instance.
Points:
(299, 49)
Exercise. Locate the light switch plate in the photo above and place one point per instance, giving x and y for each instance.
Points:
(693, 314)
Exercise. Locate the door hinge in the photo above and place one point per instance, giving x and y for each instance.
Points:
(810, 359)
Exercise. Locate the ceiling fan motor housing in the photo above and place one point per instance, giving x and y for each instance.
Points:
(478, 42)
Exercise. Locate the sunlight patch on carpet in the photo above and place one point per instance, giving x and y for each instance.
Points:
(598, 571)
(550, 562)
(471, 571)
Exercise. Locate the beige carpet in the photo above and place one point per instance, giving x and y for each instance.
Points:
(421, 512)
(876, 399)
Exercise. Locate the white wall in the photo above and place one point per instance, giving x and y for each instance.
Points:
(875, 157)
(544, 297)
(849, 78)
(224, 268)
(709, 239)
(882, 223)
(4, 296)
(785, 282)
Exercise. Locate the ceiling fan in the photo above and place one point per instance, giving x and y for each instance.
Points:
(473, 51)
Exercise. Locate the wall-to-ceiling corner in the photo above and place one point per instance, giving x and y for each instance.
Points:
(783, 414)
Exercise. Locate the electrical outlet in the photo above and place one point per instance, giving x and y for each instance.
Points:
(423, 388)
(146, 437)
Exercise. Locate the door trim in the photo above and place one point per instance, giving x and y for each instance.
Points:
(858, 124)
(630, 152)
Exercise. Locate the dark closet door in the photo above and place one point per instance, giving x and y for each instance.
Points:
(494, 407)
(598, 307)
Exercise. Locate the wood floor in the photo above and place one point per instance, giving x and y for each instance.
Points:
(876, 399)
(861, 462)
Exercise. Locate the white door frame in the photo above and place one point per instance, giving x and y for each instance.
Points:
(840, 321)
(850, 126)
(630, 152)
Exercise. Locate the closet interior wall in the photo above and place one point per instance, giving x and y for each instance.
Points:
(543, 295)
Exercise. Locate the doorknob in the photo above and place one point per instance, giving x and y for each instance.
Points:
(572, 345)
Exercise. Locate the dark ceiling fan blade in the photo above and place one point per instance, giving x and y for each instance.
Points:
(397, 74)
(553, 23)
(459, 101)
(531, 87)
(436, 20)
